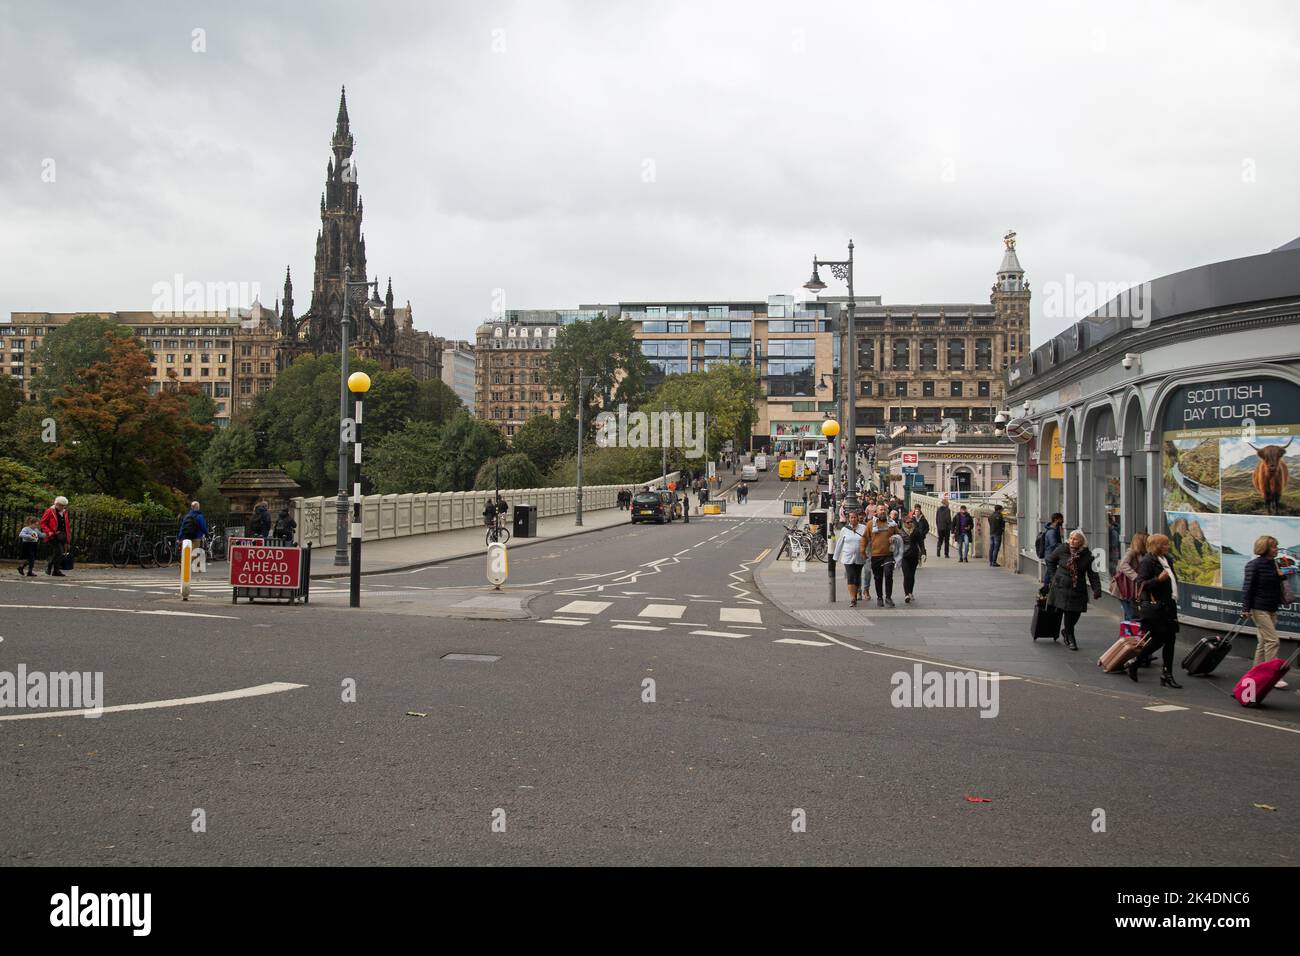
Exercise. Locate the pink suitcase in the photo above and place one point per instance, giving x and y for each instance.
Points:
(1120, 653)
(1255, 685)
(1130, 628)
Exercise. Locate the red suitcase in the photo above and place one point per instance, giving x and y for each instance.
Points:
(1255, 685)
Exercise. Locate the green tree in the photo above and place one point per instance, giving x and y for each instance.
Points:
(464, 444)
(406, 461)
(114, 437)
(516, 471)
(11, 400)
(726, 395)
(545, 440)
(231, 449)
(23, 488)
(605, 349)
(72, 347)
(437, 402)
(607, 466)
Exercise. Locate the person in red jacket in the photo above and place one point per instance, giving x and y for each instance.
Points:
(56, 523)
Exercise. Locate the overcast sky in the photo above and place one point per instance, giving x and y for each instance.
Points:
(597, 152)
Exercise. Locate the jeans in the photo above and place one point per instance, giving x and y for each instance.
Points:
(963, 546)
(995, 545)
(1126, 609)
(941, 543)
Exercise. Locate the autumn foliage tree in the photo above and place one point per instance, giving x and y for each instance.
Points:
(115, 438)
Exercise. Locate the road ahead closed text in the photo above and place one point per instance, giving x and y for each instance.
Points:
(265, 567)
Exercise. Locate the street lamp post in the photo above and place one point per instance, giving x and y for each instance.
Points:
(358, 384)
(345, 428)
(843, 270)
(583, 382)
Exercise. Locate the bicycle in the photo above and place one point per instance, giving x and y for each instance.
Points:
(498, 533)
(132, 547)
(216, 546)
(165, 552)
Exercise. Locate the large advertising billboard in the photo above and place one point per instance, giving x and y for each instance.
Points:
(1229, 453)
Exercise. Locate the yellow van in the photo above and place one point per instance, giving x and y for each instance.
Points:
(791, 469)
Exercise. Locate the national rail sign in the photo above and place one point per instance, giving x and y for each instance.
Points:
(911, 459)
(265, 566)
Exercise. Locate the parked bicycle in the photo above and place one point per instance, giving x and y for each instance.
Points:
(132, 548)
(802, 543)
(497, 532)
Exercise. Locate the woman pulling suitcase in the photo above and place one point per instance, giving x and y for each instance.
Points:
(1070, 571)
(1157, 609)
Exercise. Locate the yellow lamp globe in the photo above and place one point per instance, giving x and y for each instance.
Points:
(830, 428)
(358, 383)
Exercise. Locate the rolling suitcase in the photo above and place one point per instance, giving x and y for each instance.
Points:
(1209, 652)
(1047, 621)
(1120, 653)
(1260, 679)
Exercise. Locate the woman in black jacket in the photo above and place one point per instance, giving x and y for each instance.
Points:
(1261, 596)
(913, 544)
(1070, 571)
(1157, 603)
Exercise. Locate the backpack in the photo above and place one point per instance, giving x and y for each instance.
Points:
(189, 527)
(1040, 543)
(282, 526)
(261, 522)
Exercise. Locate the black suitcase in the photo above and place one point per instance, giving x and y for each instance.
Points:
(1209, 652)
(68, 562)
(1047, 621)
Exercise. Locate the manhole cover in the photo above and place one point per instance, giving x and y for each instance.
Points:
(482, 658)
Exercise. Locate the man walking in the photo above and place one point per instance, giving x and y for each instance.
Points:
(964, 528)
(997, 524)
(194, 527)
(879, 531)
(942, 528)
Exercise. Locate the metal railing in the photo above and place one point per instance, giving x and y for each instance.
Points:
(93, 536)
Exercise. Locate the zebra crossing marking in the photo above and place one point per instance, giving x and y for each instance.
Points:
(585, 607)
(637, 627)
(564, 620)
(718, 634)
(795, 640)
(663, 610)
(740, 615)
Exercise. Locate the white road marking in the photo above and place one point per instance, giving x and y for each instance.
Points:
(719, 634)
(273, 688)
(116, 610)
(663, 610)
(987, 675)
(637, 627)
(585, 607)
(564, 620)
(1257, 723)
(1164, 708)
(740, 615)
(795, 640)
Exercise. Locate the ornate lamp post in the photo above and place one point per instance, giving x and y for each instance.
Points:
(843, 270)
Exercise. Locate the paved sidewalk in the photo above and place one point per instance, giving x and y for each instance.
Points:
(979, 616)
(420, 550)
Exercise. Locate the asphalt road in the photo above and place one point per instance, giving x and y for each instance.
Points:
(754, 718)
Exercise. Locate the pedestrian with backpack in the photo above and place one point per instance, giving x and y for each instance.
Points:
(194, 527)
(285, 528)
(1048, 540)
(260, 526)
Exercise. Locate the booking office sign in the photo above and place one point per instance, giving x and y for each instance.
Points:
(1230, 472)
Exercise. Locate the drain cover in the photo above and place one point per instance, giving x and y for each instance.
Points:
(483, 658)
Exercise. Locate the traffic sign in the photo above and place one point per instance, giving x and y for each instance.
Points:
(911, 459)
(498, 564)
(266, 566)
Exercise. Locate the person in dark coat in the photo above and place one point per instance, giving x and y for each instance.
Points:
(942, 528)
(1157, 601)
(1261, 596)
(913, 546)
(1070, 570)
(963, 530)
(997, 526)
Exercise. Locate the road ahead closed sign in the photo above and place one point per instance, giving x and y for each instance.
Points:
(265, 566)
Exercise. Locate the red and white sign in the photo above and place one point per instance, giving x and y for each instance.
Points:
(265, 566)
(911, 459)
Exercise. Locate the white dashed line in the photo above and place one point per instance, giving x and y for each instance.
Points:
(795, 640)
(1257, 723)
(719, 634)
(637, 627)
(1164, 708)
(564, 620)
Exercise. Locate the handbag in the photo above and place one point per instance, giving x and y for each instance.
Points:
(68, 561)
(1149, 609)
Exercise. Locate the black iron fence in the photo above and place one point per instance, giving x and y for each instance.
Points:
(93, 536)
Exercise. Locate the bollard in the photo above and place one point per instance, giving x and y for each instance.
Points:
(830, 575)
(185, 569)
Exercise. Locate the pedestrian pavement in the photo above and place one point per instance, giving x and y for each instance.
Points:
(979, 616)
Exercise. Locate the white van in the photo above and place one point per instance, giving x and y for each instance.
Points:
(812, 460)
(760, 462)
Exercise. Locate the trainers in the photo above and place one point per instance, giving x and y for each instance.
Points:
(1281, 685)
(880, 602)
(889, 602)
(853, 604)
(908, 599)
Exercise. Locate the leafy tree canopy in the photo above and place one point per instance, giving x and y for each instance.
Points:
(605, 349)
(516, 471)
(72, 347)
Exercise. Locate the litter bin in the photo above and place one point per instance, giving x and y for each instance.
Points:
(817, 523)
(826, 500)
(525, 521)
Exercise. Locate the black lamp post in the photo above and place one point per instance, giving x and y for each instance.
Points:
(843, 270)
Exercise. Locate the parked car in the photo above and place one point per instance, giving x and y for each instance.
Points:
(656, 506)
(749, 472)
